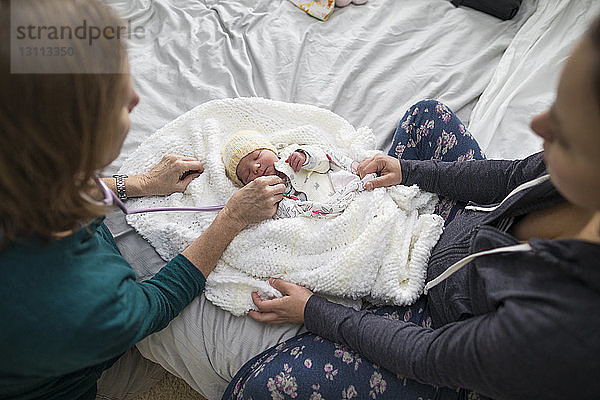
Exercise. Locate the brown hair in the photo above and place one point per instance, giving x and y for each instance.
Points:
(56, 130)
(594, 34)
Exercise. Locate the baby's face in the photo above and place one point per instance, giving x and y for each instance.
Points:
(258, 163)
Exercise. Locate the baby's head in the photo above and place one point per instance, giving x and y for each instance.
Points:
(248, 155)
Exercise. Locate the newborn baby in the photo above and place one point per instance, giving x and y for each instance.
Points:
(318, 181)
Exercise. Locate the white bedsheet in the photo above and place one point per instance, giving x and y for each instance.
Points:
(367, 64)
(525, 81)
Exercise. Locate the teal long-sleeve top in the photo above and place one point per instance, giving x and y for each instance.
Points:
(69, 308)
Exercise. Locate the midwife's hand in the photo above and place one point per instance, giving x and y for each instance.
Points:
(256, 201)
(296, 160)
(387, 168)
(172, 174)
(289, 308)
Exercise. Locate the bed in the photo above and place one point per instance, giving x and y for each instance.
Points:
(366, 63)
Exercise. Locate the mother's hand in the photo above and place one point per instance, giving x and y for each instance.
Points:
(289, 308)
(172, 174)
(387, 168)
(257, 200)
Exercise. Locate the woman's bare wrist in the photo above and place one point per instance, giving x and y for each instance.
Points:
(205, 251)
(137, 186)
(233, 219)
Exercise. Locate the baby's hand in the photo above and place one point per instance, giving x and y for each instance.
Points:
(296, 160)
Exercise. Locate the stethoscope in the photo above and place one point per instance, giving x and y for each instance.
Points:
(111, 198)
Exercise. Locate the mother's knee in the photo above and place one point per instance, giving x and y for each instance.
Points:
(414, 114)
(426, 104)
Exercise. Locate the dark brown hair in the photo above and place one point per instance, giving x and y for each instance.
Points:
(56, 130)
(594, 34)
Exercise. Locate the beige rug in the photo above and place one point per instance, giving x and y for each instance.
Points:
(170, 388)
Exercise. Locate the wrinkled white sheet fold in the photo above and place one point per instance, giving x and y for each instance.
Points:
(525, 81)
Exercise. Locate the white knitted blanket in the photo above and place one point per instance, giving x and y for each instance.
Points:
(377, 248)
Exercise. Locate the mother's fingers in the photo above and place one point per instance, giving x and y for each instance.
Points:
(367, 166)
(387, 168)
(265, 306)
(284, 287)
(269, 311)
(289, 308)
(269, 318)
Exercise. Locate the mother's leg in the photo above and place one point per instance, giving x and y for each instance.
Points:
(310, 367)
(429, 130)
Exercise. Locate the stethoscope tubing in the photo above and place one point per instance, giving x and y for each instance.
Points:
(111, 198)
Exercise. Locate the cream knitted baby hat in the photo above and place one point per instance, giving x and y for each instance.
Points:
(239, 146)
